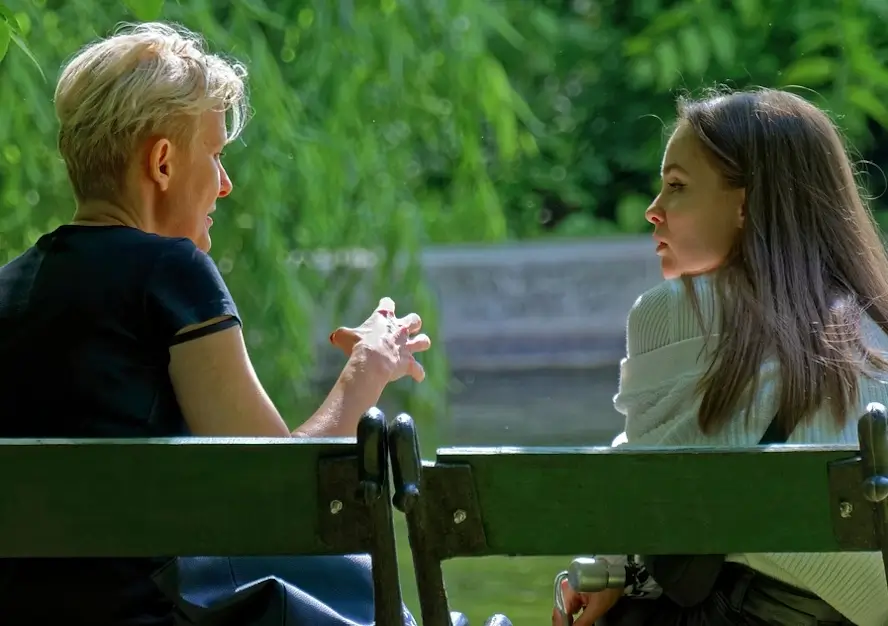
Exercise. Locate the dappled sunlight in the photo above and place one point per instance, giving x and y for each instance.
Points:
(498, 168)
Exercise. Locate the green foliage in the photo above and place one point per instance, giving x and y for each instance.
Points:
(389, 125)
(5, 36)
(356, 107)
(11, 32)
(145, 10)
(601, 78)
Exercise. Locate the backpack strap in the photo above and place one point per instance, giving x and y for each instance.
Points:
(775, 432)
(689, 579)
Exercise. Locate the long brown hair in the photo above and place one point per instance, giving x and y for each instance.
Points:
(807, 267)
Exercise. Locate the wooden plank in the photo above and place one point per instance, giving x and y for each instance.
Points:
(548, 501)
(157, 497)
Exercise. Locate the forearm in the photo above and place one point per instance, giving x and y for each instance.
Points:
(353, 393)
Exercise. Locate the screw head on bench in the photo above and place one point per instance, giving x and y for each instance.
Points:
(335, 506)
(459, 516)
(369, 492)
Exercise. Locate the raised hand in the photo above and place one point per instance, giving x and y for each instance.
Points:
(385, 342)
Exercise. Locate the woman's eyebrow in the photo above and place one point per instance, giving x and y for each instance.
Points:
(673, 167)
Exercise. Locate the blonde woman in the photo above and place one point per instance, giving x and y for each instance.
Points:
(120, 325)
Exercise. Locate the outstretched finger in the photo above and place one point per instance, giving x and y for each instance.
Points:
(386, 307)
(412, 321)
(416, 370)
(420, 343)
(344, 338)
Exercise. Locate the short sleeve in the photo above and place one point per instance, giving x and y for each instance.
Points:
(185, 288)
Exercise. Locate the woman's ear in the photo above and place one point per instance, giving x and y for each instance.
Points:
(160, 155)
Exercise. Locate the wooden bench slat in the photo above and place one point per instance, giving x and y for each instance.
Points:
(654, 501)
(186, 496)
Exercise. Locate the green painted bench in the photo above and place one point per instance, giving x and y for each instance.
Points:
(474, 502)
(192, 496)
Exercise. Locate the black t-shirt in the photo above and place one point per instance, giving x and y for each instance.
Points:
(87, 316)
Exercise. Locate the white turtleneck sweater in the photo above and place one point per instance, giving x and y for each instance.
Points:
(657, 395)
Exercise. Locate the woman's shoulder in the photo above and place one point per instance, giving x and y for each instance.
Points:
(666, 314)
(156, 247)
(169, 263)
(164, 268)
(648, 326)
(117, 245)
(178, 259)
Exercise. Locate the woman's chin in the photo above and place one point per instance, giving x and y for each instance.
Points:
(202, 241)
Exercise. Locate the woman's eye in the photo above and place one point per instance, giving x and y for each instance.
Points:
(676, 186)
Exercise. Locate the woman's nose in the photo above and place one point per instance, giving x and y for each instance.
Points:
(654, 214)
(225, 184)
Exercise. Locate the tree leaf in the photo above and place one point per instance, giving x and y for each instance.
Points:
(145, 10)
(4, 38)
(5, 12)
(630, 213)
(696, 51)
(669, 62)
(724, 43)
(494, 18)
(18, 41)
(750, 11)
(809, 71)
(869, 103)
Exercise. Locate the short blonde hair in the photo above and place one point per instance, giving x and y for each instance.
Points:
(146, 79)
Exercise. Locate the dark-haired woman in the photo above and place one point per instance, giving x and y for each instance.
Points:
(774, 311)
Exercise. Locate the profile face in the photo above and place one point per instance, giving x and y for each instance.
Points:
(196, 179)
(696, 216)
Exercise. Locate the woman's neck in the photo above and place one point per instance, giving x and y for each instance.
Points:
(104, 213)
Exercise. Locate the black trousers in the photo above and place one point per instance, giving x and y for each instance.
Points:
(741, 597)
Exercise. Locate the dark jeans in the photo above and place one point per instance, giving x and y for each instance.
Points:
(741, 597)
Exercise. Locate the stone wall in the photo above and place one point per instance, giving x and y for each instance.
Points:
(538, 305)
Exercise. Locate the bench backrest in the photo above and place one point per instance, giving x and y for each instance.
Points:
(677, 501)
(157, 497)
(204, 497)
(570, 501)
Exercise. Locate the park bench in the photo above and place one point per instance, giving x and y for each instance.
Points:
(192, 496)
(195, 496)
(473, 502)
